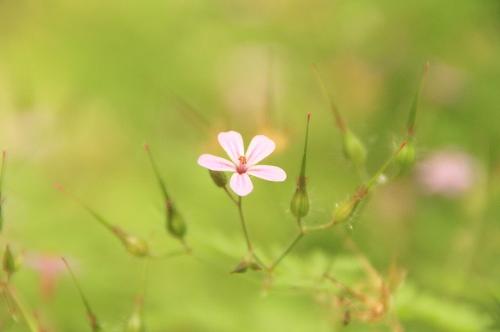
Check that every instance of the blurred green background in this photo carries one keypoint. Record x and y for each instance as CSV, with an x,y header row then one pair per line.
x,y
84,84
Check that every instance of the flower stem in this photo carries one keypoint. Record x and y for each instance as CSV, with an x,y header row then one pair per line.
x,y
231,197
292,245
244,226
25,313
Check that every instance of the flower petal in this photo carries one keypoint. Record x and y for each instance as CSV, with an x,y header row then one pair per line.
x,y
215,163
241,184
232,143
269,173
260,147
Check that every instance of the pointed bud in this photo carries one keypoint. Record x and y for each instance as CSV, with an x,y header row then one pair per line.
x,y
133,244
176,225
9,263
135,322
354,149
300,200
410,126
244,265
405,159
136,246
344,211
219,178
300,204
92,318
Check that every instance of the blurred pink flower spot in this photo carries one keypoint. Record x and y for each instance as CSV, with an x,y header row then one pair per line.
x,y
49,268
448,173
242,163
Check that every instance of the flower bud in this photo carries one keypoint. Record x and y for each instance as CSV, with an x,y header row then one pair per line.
x,y
219,178
9,263
345,210
300,200
300,203
244,265
135,323
136,246
354,150
176,225
406,157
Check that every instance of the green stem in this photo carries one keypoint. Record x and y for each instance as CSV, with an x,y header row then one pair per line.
x,y
292,245
231,197
28,317
156,170
94,323
244,225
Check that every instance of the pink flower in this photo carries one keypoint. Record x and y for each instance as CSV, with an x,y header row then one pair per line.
x,y
242,163
49,268
448,172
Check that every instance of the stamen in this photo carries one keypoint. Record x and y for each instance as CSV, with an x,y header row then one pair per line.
x,y
242,167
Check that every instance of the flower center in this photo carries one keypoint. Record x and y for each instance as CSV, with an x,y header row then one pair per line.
x,y
242,166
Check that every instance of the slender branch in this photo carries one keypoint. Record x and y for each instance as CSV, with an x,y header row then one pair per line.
x,y
93,321
239,206
28,317
338,118
292,245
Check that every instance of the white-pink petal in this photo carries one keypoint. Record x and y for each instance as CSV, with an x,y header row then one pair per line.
x,y
215,163
241,184
269,173
260,147
232,143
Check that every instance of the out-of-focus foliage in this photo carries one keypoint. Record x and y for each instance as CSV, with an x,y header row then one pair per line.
x,y
83,84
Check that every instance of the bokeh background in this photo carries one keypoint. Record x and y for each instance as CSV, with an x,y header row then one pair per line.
x,y
84,84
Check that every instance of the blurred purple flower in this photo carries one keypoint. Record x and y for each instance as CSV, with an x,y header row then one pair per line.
x,y
448,173
49,268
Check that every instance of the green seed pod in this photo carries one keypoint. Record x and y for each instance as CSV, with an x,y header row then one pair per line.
x,y
244,265
345,210
136,246
9,263
300,200
135,323
406,157
300,203
354,149
176,225
219,178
